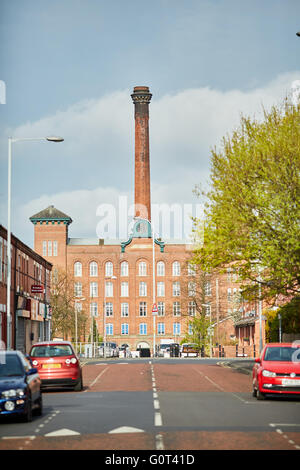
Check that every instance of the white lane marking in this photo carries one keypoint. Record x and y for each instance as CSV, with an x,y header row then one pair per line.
x,y
97,378
159,442
125,429
62,432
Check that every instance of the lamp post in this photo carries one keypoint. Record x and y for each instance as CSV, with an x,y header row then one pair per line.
x,y
12,140
113,278
210,328
153,278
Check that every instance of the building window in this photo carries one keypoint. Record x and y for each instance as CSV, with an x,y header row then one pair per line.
x,y
192,308
143,309
124,289
94,309
176,329
109,289
143,289
49,248
142,268
124,329
160,328
124,268
161,309
192,289
207,310
78,269
160,268
176,268
93,269
109,309
176,309
190,329
229,294
125,309
54,248
109,269
44,248
78,289
207,288
143,328
109,327
160,289
176,289
191,269
93,289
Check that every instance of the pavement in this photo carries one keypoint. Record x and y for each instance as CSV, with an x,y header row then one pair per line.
x,y
243,366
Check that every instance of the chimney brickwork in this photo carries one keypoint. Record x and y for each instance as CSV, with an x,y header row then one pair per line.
x,y
141,98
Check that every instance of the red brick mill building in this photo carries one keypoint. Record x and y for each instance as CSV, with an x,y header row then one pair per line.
x,y
30,310
114,279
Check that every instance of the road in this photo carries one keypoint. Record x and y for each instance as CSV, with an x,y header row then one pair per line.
x,y
160,404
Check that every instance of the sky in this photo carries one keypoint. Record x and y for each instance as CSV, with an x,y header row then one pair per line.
x,y
68,68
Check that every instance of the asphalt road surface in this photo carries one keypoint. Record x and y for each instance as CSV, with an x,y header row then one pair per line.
x,y
159,405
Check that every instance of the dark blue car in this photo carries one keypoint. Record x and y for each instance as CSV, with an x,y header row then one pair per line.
x,y
20,386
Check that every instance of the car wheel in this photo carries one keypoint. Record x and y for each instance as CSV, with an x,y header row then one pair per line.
x,y
260,395
28,412
79,386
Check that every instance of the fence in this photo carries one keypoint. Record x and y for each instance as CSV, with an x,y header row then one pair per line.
x,y
236,351
94,350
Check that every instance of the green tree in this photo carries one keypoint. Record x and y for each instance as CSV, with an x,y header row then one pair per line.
x,y
252,206
63,303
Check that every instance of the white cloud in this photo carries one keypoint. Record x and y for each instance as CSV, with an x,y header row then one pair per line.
x,y
98,152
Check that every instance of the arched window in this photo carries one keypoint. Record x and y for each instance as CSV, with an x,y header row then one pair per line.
x,y
160,268
124,268
109,269
176,268
142,268
77,269
93,269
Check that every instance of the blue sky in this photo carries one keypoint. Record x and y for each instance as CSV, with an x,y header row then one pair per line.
x,y
69,67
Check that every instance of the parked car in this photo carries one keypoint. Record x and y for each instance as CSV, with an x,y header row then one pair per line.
x,y
111,349
164,350
20,386
189,350
57,364
277,371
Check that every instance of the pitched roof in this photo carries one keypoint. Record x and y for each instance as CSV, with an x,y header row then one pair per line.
x,y
50,213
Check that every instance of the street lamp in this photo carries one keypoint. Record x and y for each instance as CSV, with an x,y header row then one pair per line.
x,y
153,278
11,140
113,278
210,329
298,33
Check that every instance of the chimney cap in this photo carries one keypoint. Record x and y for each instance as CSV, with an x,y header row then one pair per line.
x,y
141,95
143,89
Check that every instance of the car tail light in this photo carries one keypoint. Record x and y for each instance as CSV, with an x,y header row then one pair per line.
x,y
35,363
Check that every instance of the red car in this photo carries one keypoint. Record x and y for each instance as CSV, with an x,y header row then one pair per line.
x,y
277,371
57,364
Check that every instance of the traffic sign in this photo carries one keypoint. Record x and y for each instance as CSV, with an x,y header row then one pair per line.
x,y
154,309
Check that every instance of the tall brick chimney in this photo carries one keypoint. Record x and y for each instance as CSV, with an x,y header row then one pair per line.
x,y
141,98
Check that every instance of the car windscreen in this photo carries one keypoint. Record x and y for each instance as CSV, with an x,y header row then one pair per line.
x,y
10,365
51,350
284,353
